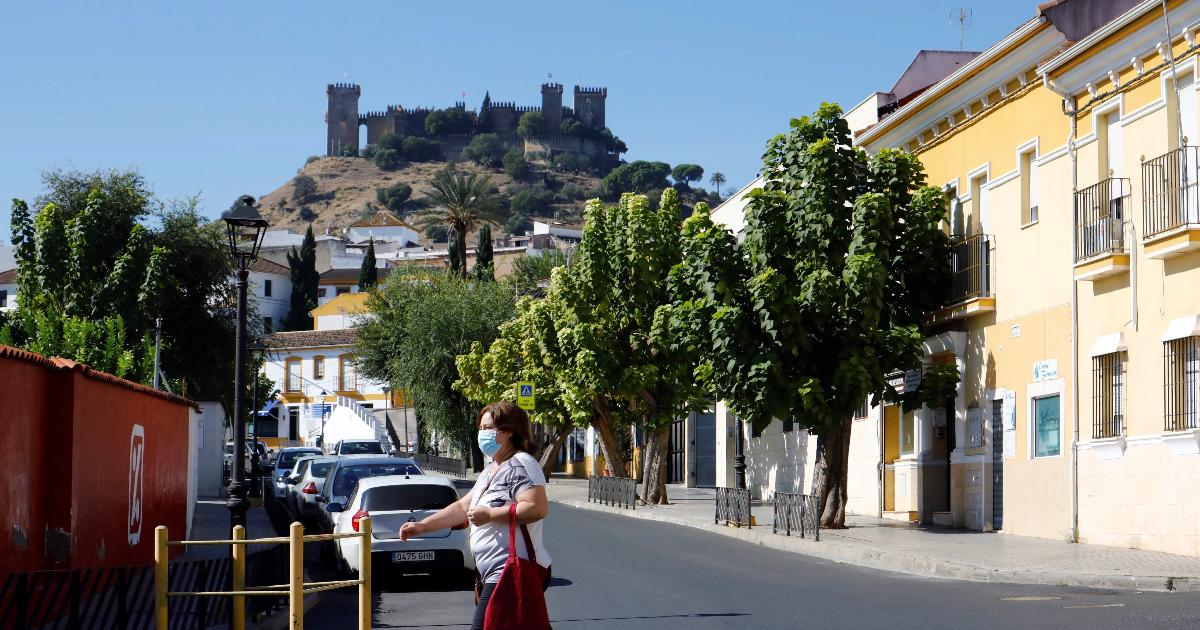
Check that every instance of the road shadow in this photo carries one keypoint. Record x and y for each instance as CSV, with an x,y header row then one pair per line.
x,y
558,581
580,620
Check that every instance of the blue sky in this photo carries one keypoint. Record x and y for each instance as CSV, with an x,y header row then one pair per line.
x,y
225,98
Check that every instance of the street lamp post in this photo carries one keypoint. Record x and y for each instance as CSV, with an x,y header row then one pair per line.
x,y
739,455
245,229
255,481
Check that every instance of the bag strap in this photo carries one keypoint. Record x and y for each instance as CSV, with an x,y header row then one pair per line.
x,y
512,535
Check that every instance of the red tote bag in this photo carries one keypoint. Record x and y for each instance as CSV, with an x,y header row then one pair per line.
x,y
518,601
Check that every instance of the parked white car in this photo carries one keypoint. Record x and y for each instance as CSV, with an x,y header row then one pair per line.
x,y
284,462
357,447
391,501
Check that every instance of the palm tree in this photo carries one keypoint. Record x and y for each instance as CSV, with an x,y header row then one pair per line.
x,y
462,203
717,179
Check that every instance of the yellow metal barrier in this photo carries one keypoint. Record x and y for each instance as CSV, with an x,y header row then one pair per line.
x,y
295,589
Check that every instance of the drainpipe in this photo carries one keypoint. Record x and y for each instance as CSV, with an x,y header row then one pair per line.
x,y
1068,107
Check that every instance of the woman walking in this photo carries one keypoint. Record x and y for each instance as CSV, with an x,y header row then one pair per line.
x,y
513,478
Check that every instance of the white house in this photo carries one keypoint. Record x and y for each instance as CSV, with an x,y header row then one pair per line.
x,y
270,289
8,290
383,226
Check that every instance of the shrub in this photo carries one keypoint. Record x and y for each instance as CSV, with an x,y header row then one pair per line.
x,y
518,224
303,188
307,214
515,164
422,149
349,151
393,197
392,141
531,124
572,162
573,192
387,159
437,232
368,151
533,200
311,159
485,150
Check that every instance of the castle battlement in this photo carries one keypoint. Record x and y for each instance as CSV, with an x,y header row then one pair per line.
x,y
502,117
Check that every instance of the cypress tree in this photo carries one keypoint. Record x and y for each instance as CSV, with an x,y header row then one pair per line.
x,y
456,262
484,267
368,275
303,266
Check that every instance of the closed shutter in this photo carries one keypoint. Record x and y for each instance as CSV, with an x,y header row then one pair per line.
x,y
1116,145
1187,108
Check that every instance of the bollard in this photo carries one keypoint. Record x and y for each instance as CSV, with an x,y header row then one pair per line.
x,y
160,577
364,575
296,577
237,617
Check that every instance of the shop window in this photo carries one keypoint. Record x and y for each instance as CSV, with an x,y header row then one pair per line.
x,y
1047,428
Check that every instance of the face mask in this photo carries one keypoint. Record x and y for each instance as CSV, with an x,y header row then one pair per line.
x,y
487,442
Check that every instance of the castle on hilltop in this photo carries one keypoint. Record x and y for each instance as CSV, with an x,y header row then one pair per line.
x,y
590,137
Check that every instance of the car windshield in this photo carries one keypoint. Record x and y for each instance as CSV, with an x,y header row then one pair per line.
x,y
288,459
361,448
349,475
320,469
408,497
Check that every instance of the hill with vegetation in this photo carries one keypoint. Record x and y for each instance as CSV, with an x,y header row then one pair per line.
x,y
331,193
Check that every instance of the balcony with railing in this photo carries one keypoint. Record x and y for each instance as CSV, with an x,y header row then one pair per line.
x,y
970,290
1100,214
1171,205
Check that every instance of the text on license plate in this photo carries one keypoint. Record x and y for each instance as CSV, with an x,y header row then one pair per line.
x,y
412,556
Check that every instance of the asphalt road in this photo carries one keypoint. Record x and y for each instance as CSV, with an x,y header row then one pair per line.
x,y
615,572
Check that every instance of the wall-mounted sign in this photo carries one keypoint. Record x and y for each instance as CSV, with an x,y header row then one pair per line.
x,y
912,380
1045,370
525,397
1010,410
974,427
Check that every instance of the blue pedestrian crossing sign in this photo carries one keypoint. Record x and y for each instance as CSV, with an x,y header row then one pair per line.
x,y
525,398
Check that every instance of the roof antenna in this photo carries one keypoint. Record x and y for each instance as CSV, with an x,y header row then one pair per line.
x,y
964,18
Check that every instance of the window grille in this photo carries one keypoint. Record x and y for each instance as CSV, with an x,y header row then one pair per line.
x,y
1181,383
862,410
1108,395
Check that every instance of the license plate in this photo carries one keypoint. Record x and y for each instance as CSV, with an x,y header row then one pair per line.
x,y
412,556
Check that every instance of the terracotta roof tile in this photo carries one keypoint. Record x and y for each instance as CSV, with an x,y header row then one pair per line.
x,y
8,277
383,218
310,339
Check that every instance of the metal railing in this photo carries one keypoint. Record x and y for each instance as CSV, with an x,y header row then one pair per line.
x,y
1100,218
618,491
796,512
370,420
733,507
970,269
1169,192
294,589
1181,384
436,463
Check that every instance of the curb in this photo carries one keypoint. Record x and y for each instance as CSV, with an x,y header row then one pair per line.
x,y
912,565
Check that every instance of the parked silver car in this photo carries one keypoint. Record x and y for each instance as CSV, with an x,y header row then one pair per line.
x,y
306,483
284,463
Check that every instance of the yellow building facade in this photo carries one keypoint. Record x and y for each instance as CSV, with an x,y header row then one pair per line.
x,y
1069,163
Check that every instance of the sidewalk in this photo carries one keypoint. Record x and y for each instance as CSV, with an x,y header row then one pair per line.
x,y
929,552
210,521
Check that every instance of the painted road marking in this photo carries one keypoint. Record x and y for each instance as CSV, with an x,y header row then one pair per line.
x,y
1097,606
1029,598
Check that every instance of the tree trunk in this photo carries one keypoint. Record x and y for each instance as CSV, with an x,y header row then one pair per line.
x,y
602,422
462,251
654,477
829,483
550,453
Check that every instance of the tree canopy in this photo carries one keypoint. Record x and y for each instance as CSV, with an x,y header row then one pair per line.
x,y
486,150
687,173
368,274
531,124
393,197
638,176
302,267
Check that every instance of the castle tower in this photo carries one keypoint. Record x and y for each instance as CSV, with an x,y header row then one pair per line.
x,y
589,105
552,105
341,117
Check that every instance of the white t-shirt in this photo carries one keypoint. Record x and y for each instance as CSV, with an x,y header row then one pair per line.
x,y
500,488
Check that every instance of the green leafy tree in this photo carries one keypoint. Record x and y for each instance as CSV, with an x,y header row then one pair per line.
x,y
717,179
485,266
518,224
524,350
437,232
462,203
421,149
842,257
485,113
391,140
531,273
531,124
638,176
515,164
368,275
304,188
486,150
419,325
393,197
303,273
618,349
535,200
571,162
687,173
453,120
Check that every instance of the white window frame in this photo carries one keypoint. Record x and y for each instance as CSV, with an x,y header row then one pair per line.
x,y
1033,392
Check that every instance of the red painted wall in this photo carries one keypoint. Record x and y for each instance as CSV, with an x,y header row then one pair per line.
x,y
96,444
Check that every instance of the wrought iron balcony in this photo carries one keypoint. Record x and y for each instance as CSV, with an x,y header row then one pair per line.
x,y
1100,213
970,268
1169,192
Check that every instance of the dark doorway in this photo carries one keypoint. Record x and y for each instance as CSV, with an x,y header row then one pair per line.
x,y
997,465
705,444
677,451
293,423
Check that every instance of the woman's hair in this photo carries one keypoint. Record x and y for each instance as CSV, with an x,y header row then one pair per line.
x,y
509,417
